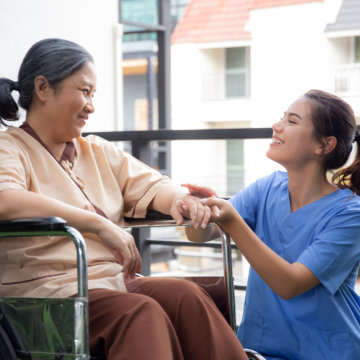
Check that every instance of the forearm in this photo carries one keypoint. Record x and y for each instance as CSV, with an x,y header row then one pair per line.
x,y
163,200
17,204
200,235
286,279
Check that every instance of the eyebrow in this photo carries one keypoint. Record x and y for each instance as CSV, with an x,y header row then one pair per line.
x,y
87,83
295,114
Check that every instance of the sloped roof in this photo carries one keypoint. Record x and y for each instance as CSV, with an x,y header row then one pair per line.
x,y
213,20
221,20
348,17
259,4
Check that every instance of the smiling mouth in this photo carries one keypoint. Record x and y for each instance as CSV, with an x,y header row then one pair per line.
x,y
276,140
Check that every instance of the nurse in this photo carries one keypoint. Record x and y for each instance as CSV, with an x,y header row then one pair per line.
x,y
300,232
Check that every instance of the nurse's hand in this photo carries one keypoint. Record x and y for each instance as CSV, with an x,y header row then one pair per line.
x,y
226,212
123,247
200,191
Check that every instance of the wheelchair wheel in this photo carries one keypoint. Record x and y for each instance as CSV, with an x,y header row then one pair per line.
x,y
6,349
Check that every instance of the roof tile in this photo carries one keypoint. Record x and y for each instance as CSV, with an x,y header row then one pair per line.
x,y
221,20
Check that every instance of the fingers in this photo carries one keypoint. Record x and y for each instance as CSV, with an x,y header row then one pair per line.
x,y
192,207
212,201
177,212
199,191
132,260
215,212
123,247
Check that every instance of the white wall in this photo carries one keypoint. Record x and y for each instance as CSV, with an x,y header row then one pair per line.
x,y
90,23
199,162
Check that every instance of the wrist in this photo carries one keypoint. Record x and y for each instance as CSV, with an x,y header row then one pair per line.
x,y
97,223
230,222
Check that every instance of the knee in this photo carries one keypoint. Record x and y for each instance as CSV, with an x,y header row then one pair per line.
x,y
187,290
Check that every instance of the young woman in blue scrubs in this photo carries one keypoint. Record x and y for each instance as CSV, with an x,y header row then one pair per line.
x,y
300,232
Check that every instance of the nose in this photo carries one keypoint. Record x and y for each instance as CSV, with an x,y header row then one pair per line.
x,y
277,126
89,107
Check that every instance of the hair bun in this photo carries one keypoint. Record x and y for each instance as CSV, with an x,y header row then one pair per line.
x,y
15,86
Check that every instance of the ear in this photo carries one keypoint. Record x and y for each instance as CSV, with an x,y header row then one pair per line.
x,y
327,145
42,88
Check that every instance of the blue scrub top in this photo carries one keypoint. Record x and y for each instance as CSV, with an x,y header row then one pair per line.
x,y
324,322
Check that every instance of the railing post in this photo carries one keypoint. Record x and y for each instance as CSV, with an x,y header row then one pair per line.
x,y
141,235
142,151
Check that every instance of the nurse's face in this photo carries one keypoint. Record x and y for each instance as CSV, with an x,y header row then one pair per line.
x,y
293,142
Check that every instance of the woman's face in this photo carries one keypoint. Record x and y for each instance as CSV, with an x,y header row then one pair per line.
x,y
72,102
294,143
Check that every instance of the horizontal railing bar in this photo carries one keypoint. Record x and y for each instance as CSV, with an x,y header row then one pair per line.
x,y
240,287
211,244
197,134
146,27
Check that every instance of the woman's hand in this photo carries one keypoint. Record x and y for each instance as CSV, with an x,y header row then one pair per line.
x,y
17,204
204,192
192,208
226,212
123,247
172,200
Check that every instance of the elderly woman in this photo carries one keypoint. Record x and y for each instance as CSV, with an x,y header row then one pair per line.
x,y
48,169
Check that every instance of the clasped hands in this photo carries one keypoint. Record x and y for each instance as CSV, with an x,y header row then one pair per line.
x,y
193,206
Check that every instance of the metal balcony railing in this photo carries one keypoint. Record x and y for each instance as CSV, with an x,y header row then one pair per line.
x,y
346,80
140,145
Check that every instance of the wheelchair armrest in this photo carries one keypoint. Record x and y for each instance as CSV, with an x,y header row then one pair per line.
x,y
153,218
151,215
35,224
51,226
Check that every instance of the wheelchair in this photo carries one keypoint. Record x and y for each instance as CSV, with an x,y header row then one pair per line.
x,y
57,328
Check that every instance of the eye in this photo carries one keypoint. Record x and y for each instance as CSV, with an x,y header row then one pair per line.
x,y
291,121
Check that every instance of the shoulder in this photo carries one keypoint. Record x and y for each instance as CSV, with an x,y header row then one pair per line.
x,y
278,180
344,200
270,183
93,140
94,143
14,136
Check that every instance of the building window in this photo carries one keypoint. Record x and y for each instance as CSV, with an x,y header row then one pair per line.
x,y
226,73
357,49
236,73
139,11
234,166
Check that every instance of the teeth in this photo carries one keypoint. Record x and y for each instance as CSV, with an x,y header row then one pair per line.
x,y
276,141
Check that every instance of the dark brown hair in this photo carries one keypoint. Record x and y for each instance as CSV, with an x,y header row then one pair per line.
x,y
332,116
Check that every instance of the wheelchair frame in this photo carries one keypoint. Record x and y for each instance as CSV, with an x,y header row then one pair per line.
x,y
30,328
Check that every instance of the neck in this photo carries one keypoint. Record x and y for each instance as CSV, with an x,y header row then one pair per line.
x,y
307,186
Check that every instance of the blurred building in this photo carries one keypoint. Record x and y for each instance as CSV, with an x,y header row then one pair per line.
x,y
240,63
234,63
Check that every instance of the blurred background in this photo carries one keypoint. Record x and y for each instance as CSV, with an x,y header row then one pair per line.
x,y
198,64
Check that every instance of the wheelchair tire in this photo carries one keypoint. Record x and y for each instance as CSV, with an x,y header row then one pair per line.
x,y
6,349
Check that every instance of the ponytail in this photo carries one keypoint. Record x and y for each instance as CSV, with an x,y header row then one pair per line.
x,y
349,177
9,110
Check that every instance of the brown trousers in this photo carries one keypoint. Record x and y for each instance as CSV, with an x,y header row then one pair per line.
x,y
159,319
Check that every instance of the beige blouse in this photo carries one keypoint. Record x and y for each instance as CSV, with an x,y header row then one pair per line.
x,y
100,175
